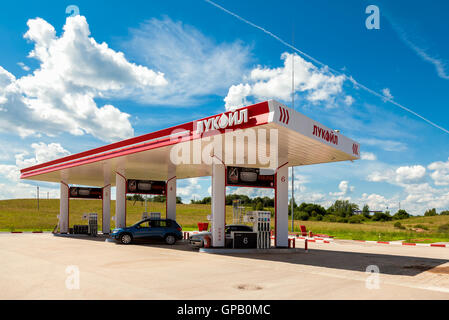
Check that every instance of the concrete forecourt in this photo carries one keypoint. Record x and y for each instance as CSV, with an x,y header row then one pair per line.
x,y
42,266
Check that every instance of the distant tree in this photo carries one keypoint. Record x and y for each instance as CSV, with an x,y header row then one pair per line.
x,y
343,208
178,200
365,211
401,214
382,216
312,209
158,199
430,213
444,213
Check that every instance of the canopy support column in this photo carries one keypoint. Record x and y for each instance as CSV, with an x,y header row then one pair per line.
x,y
218,205
120,199
171,198
281,204
106,220
64,208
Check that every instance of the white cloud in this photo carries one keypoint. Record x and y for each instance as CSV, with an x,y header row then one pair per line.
x,y
349,100
440,174
194,64
409,174
387,94
42,153
16,188
23,66
344,188
401,176
385,144
265,83
376,202
369,156
74,70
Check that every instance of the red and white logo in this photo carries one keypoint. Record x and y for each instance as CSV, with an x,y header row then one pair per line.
x,y
285,116
355,149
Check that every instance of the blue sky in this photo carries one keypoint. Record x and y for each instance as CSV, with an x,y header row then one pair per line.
x,y
181,59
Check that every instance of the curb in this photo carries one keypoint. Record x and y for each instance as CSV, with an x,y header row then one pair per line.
x,y
404,243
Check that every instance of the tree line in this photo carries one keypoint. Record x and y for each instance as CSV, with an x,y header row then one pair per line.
x,y
340,211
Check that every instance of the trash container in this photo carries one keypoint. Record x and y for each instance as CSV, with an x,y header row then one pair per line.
x,y
203,226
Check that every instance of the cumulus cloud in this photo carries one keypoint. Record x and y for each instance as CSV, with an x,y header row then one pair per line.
x,y
376,202
344,188
418,195
41,152
368,156
194,64
440,174
60,95
265,83
402,175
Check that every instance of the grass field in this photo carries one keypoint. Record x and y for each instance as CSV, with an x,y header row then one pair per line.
x,y
22,215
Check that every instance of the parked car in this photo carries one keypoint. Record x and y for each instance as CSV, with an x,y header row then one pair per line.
x,y
197,240
163,229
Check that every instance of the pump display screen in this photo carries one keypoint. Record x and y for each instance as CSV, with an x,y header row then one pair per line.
x,y
86,193
146,187
249,177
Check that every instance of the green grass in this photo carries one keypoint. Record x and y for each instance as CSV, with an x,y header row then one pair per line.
x,y
22,215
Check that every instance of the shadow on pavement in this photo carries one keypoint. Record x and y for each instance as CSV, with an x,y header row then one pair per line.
x,y
351,261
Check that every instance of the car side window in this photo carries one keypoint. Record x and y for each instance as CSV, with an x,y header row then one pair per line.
x,y
144,224
162,223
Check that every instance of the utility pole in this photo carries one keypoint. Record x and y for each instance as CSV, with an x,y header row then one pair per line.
x,y
293,107
37,198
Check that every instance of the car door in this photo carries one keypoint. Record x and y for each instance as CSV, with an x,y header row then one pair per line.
x,y
142,231
157,229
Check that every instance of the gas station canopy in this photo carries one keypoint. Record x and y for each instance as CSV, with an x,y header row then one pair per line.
x,y
301,141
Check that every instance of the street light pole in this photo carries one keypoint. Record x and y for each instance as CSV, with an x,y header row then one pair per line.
x,y
37,198
293,107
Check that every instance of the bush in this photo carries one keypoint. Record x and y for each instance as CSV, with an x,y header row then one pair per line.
x,y
401,214
355,219
420,226
301,215
444,213
444,228
380,216
316,218
398,225
342,219
330,218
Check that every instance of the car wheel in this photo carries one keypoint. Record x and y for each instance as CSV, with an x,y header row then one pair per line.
x,y
170,239
126,238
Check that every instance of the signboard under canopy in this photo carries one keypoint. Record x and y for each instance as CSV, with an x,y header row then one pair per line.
x,y
249,177
146,187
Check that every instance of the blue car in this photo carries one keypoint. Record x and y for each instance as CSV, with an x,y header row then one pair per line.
x,y
162,229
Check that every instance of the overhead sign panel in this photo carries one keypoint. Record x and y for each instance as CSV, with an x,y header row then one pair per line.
x,y
86,193
249,177
146,187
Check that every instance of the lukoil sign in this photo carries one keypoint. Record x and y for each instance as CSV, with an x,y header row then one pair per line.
x,y
226,120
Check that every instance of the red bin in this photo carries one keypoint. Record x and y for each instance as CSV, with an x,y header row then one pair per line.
x,y
203,226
